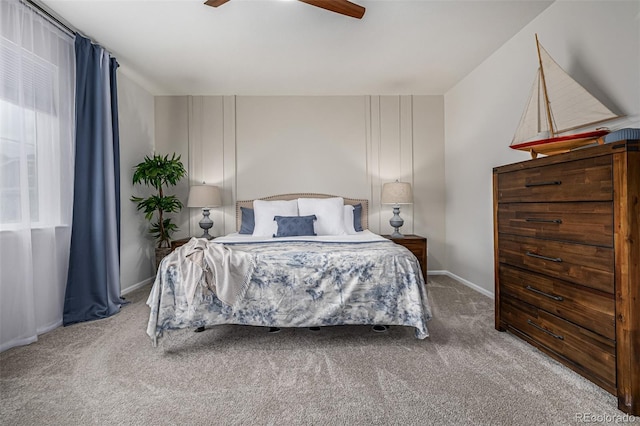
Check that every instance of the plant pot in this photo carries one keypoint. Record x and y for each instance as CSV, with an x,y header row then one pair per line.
x,y
161,252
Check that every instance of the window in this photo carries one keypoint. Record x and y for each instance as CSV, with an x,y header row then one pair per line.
x,y
37,80
35,138
18,151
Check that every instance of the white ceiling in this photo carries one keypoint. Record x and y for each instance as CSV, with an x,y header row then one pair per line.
x,y
275,47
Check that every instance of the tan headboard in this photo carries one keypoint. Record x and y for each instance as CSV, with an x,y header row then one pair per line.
x,y
352,201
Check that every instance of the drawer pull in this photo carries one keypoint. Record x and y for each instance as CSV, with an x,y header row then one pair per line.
x,y
549,183
551,259
550,296
533,219
557,336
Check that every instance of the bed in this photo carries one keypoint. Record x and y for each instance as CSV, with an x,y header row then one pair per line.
x,y
291,278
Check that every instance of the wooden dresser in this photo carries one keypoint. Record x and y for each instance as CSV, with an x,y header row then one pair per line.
x,y
567,261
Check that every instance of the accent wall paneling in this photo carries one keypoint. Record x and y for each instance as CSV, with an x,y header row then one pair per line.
x,y
253,146
212,156
392,138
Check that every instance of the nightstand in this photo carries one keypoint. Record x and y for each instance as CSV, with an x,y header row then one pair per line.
x,y
177,243
416,245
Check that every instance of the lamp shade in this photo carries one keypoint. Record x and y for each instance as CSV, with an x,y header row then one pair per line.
x,y
396,193
204,196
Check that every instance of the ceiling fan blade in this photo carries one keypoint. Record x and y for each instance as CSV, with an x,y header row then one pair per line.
x,y
215,3
343,7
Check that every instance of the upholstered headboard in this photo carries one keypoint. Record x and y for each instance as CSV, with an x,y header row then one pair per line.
x,y
352,201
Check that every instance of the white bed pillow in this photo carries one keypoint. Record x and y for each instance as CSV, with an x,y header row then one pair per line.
x,y
329,211
348,220
265,211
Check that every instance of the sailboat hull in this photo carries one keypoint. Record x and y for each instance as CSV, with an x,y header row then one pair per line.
x,y
560,144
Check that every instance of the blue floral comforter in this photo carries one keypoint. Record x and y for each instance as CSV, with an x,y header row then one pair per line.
x,y
303,284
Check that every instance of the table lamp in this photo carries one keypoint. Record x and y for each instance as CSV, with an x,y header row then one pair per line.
x,y
205,197
396,193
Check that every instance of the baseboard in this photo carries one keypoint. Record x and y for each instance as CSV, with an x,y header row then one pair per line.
x,y
136,286
465,282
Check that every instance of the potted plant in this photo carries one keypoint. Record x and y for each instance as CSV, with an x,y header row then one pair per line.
x,y
159,173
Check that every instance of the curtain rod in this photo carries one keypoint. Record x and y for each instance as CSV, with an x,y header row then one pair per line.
x,y
39,8
49,15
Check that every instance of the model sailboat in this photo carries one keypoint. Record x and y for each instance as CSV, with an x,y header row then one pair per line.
x,y
558,105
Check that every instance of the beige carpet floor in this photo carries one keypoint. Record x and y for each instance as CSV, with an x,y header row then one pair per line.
x,y
107,373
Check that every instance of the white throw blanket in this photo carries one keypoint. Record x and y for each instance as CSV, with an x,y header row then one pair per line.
x,y
225,271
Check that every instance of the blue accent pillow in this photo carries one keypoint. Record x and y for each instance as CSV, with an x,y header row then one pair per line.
x,y
622,134
357,217
248,221
295,226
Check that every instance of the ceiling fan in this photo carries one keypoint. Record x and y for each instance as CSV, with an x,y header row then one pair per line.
x,y
343,7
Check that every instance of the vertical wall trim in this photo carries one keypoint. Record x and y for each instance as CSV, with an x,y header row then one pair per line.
x,y
235,150
400,135
413,165
230,169
189,162
191,153
196,140
367,142
406,156
373,162
224,163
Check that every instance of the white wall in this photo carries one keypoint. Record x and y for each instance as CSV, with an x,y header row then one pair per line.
x,y
136,119
598,43
301,144
344,145
428,177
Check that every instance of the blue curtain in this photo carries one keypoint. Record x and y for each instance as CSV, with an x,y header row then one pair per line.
x,y
93,283
113,67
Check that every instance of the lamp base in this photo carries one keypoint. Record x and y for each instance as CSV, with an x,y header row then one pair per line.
x,y
206,223
396,222
397,234
206,235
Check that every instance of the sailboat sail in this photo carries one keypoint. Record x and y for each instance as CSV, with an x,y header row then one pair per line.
x,y
569,105
533,124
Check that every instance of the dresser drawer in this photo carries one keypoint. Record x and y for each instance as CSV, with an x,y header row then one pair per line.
x,y
590,266
580,180
591,309
587,350
586,223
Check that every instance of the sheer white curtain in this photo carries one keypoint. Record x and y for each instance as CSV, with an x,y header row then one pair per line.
x,y
37,81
